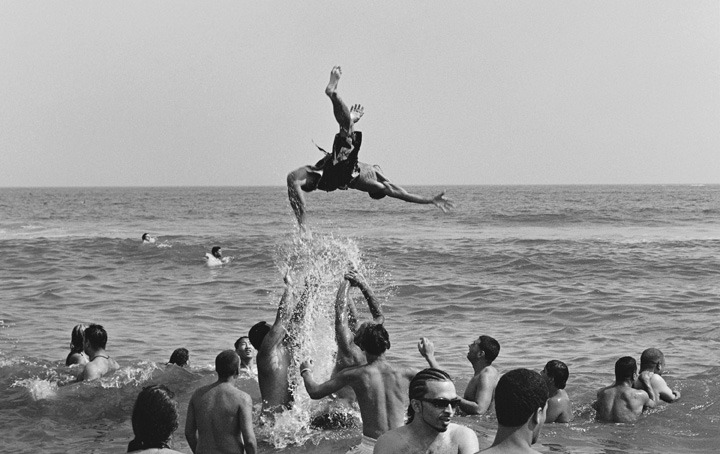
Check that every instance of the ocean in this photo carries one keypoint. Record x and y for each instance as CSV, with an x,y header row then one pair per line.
x,y
583,274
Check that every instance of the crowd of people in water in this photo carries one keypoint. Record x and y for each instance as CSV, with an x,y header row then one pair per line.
x,y
403,410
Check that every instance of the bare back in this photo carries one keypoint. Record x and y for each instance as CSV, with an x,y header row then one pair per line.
x,y
381,391
620,403
216,411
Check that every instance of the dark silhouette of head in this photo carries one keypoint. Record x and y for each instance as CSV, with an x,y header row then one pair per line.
x,y
490,347
227,364
257,334
375,340
558,371
77,338
154,418
625,369
180,357
519,393
215,251
96,336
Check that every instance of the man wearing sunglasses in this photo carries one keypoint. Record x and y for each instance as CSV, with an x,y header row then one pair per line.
x,y
433,401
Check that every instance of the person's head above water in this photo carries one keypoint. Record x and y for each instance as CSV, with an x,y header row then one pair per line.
x,y
146,238
77,338
557,372
216,252
519,394
227,364
95,337
625,369
257,334
180,357
375,340
652,359
154,418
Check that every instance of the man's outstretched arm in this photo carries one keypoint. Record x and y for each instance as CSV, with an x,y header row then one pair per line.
x,y
358,280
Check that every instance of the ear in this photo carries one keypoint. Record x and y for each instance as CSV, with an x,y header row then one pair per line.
x,y
538,416
416,405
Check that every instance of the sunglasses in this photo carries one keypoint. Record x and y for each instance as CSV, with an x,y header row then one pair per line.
x,y
442,404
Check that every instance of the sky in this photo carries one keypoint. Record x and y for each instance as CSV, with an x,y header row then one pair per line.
x,y
231,93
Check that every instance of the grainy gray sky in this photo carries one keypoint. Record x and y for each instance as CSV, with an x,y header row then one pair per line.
x,y
156,93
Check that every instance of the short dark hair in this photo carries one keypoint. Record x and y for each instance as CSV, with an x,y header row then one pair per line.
x,y
180,357
237,342
625,368
490,347
257,334
518,394
154,418
558,371
650,357
96,336
227,363
418,386
215,249
145,235
375,340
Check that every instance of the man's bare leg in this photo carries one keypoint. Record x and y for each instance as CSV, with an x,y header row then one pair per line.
x,y
340,109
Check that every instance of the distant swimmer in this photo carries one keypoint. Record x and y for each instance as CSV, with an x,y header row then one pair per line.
x,y
652,364
100,362
180,357
215,257
146,238
341,168
620,402
77,341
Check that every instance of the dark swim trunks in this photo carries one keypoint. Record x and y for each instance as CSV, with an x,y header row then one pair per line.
x,y
341,167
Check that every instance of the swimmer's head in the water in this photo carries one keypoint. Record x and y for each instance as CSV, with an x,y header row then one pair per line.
x,y
146,238
257,333
216,252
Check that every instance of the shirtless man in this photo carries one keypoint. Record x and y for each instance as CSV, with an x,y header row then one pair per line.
x,y
652,364
479,392
341,168
94,346
520,403
246,352
275,346
219,417
620,402
559,407
347,331
380,387
433,401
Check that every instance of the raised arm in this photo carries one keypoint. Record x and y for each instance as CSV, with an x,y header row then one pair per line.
x,y
246,427
358,280
343,334
277,332
427,350
319,390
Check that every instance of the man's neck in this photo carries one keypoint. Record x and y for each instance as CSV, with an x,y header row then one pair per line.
x,y
246,363
515,439
92,354
624,383
479,365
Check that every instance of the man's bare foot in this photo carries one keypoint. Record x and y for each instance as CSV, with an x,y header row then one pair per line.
x,y
356,112
335,74
443,203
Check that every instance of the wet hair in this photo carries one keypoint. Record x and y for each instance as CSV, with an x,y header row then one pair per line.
x,y
257,334
96,336
227,364
154,418
237,342
650,358
558,371
214,250
180,357
490,347
77,338
375,340
418,386
625,368
519,393
144,237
